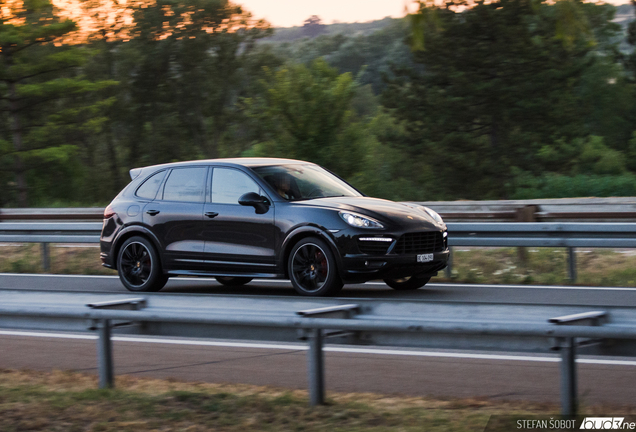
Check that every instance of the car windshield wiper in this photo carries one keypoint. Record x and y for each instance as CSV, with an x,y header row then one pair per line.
x,y
316,197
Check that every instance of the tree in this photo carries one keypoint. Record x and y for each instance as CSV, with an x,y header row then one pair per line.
x,y
313,26
41,91
184,69
497,81
305,113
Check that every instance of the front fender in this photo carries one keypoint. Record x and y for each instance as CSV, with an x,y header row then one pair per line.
x,y
307,231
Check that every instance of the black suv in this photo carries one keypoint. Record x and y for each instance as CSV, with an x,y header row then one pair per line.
x,y
237,219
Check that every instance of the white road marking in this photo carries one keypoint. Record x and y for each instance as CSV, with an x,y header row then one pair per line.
x,y
559,287
279,281
335,349
58,275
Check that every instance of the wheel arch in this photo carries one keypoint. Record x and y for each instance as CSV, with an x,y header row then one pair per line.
x,y
131,231
304,232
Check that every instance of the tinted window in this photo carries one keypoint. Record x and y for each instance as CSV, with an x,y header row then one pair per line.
x,y
228,185
150,187
306,181
185,184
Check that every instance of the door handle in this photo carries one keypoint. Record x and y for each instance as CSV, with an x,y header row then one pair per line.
x,y
153,212
211,214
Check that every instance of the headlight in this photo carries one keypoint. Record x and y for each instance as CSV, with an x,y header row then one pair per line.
x,y
437,218
359,221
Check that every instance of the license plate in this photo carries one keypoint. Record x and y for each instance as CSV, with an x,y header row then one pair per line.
x,y
424,258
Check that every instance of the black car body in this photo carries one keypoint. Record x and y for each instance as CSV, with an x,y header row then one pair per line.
x,y
228,218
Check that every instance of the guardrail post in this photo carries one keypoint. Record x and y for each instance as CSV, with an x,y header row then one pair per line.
x,y
568,377
571,264
105,355
567,346
315,356
448,271
316,368
46,257
525,214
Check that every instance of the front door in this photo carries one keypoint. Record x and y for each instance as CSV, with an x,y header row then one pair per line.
x,y
238,239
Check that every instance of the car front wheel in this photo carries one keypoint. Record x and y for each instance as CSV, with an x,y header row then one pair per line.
x,y
312,268
407,283
139,267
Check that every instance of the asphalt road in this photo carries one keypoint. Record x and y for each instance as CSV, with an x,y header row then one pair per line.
x,y
421,373
524,294
533,378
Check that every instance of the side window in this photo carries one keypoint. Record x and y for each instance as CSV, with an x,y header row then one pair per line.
x,y
185,184
149,188
228,185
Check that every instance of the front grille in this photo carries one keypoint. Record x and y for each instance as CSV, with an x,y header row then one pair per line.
x,y
422,242
373,247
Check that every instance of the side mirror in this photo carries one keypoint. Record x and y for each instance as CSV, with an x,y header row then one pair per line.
x,y
260,203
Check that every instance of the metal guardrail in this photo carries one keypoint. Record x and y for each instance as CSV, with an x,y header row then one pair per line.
x,y
569,235
467,326
541,210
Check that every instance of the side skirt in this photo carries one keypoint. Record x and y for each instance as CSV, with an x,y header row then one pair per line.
x,y
227,274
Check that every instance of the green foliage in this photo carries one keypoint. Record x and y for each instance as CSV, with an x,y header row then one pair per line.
x,y
582,156
305,113
43,93
498,81
368,56
513,98
580,185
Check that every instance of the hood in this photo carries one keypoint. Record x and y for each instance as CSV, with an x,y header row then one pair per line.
x,y
383,210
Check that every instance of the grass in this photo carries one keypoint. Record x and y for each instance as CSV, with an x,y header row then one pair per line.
x,y
68,401
27,258
546,266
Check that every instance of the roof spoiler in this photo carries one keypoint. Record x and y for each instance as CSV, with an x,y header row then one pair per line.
x,y
134,173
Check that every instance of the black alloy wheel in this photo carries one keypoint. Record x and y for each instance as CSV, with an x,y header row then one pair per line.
x,y
312,268
407,283
232,281
139,267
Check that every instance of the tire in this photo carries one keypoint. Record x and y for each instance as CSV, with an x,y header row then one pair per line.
x,y
312,268
407,283
232,281
139,266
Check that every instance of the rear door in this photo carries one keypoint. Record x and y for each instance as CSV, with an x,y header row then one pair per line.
x,y
176,218
237,238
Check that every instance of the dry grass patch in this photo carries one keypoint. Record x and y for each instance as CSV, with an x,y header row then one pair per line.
x,y
545,266
27,258
67,401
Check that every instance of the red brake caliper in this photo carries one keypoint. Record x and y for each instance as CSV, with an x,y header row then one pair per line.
x,y
323,263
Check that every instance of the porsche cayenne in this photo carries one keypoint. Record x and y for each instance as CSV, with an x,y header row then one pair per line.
x,y
245,218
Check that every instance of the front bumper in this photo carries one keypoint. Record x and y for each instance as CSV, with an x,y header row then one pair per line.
x,y
362,267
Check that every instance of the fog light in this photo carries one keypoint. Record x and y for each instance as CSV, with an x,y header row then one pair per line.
x,y
366,263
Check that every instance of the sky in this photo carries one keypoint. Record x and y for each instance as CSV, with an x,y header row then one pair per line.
x,y
289,13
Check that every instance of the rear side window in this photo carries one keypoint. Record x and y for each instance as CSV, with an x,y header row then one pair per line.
x,y
185,184
228,185
149,188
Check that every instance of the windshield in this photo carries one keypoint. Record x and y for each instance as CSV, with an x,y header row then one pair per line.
x,y
299,182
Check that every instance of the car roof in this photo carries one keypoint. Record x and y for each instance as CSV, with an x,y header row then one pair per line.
x,y
249,162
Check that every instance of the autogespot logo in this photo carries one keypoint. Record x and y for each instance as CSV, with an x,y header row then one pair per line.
x,y
607,423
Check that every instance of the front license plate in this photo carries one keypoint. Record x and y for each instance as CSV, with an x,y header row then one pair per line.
x,y
424,258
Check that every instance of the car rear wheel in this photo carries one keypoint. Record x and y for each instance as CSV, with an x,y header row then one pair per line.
x,y
312,268
139,266
407,283
232,281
